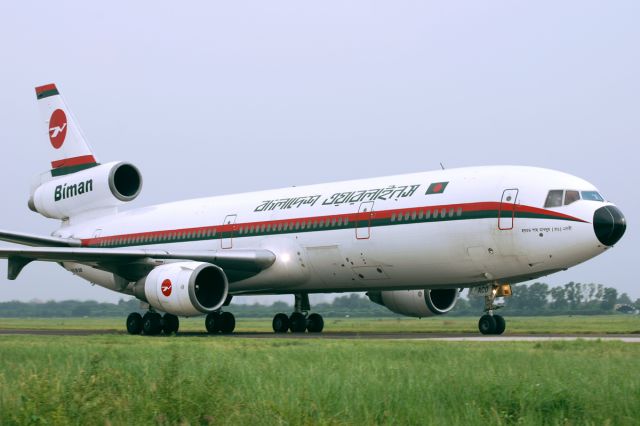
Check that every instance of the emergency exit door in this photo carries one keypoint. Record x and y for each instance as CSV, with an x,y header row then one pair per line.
x,y
228,228
363,224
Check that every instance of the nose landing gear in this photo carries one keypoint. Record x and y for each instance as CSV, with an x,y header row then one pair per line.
x,y
491,323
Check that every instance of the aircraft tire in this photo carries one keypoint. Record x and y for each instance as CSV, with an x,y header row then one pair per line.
x,y
212,322
227,322
315,323
152,323
280,323
487,324
297,322
134,323
170,324
501,324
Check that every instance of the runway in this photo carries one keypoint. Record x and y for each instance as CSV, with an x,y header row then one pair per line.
x,y
458,337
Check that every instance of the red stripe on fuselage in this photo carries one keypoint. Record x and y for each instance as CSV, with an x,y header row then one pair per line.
x,y
352,217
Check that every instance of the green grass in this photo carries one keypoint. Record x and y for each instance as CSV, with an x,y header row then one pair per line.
x,y
120,379
604,324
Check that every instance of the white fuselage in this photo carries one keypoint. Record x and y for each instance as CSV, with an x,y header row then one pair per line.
x,y
480,225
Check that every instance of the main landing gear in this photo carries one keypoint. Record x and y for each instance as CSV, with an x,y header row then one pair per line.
x,y
152,323
491,323
300,320
220,322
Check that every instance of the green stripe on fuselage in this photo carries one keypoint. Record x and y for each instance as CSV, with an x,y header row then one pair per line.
x,y
192,236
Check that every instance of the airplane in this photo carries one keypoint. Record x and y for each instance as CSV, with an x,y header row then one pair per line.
x,y
412,242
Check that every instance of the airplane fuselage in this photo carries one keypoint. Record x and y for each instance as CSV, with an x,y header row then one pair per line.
x,y
441,229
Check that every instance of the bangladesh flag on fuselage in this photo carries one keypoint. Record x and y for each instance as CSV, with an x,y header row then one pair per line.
x,y
437,188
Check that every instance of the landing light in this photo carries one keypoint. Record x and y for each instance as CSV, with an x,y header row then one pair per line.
x,y
286,258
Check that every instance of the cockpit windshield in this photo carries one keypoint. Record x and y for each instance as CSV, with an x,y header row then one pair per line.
x,y
560,197
592,196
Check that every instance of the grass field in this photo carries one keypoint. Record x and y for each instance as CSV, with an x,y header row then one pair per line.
x,y
611,324
121,379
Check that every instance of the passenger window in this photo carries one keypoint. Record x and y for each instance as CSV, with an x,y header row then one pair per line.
x,y
459,211
571,197
413,215
393,217
554,198
421,215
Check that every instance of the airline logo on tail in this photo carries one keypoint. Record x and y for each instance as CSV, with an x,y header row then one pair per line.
x,y
71,152
57,128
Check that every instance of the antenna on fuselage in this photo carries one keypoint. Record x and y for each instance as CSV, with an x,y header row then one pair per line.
x,y
441,166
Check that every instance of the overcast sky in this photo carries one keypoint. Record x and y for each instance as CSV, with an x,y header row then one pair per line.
x,y
211,98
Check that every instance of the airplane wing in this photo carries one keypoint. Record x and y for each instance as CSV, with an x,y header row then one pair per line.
x,y
37,240
134,263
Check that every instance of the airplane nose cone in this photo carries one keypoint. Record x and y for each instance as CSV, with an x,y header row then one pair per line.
x,y
609,224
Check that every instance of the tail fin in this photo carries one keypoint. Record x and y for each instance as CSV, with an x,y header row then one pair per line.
x,y
69,151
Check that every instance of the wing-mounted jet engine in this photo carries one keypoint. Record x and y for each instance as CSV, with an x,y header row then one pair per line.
x,y
416,303
181,288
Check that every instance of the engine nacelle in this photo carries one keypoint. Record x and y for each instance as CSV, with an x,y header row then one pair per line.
x,y
105,186
416,303
184,288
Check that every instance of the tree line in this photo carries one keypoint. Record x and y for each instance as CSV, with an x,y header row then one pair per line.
x,y
534,299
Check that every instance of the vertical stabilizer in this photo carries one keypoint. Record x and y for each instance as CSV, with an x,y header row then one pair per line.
x,y
69,151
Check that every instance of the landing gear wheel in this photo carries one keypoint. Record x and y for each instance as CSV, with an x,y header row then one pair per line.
x,y
297,322
315,323
170,324
501,324
212,322
227,322
134,323
280,323
487,324
152,323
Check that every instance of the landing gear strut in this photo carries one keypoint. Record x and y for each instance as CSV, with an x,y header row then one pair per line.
x,y
152,323
300,320
491,323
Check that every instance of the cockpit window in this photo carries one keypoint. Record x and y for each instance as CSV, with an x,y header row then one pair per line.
x,y
571,197
592,196
554,198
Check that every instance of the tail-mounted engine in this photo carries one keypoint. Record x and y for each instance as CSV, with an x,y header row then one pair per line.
x,y
184,288
101,187
416,303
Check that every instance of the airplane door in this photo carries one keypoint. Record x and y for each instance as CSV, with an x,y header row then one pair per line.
x,y
363,224
507,210
226,236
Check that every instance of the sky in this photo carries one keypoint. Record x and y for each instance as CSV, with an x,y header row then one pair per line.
x,y
210,98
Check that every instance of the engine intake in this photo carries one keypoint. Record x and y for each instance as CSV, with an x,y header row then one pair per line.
x,y
184,288
416,303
